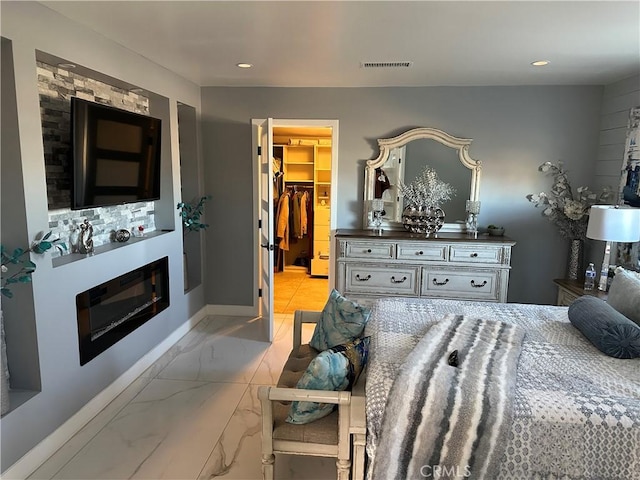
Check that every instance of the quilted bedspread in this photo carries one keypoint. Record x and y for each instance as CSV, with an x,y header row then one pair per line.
x,y
576,411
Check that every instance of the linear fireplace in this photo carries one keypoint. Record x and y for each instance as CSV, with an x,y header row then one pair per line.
x,y
114,309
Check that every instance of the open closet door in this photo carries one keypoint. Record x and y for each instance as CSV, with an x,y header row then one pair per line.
x,y
265,133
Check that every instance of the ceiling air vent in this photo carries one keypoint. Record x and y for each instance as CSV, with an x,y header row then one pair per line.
x,y
386,64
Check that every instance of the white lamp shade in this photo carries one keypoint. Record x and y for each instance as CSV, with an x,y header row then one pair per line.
x,y
614,224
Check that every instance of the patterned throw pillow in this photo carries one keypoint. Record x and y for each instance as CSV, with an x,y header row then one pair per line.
x,y
624,294
342,320
335,369
607,329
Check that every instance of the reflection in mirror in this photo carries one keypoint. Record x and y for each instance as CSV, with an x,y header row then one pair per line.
x,y
444,161
404,157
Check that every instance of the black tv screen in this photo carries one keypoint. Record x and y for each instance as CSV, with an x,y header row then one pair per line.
x,y
116,155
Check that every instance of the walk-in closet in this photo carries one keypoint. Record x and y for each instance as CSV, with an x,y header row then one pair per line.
x,y
302,198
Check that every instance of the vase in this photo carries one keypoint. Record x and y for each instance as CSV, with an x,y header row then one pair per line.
x,y
576,253
422,219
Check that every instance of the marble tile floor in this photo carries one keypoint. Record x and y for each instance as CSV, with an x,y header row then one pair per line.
x,y
193,415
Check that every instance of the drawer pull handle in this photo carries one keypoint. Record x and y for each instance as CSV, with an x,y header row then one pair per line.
x,y
368,250
436,282
362,279
478,285
474,255
393,280
420,253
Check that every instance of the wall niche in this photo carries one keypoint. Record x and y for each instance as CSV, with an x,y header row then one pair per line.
x,y
56,86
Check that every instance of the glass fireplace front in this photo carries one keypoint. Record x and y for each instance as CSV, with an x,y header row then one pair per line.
x,y
112,310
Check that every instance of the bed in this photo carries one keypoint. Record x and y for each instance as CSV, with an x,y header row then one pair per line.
x,y
571,412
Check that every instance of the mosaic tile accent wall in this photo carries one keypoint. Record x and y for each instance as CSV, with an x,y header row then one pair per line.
x,y
56,86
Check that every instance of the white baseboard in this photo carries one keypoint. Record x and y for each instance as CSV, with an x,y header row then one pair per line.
x,y
233,310
47,447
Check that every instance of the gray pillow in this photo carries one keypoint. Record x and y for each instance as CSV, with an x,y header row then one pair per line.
x,y
607,329
624,294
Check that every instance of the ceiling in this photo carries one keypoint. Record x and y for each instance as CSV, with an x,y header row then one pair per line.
x,y
323,43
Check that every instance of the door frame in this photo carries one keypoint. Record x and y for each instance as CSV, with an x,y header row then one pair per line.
x,y
280,122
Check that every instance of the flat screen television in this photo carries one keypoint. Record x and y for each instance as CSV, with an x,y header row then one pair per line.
x,y
116,155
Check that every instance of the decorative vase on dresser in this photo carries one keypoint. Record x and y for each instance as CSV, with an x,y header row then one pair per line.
x,y
576,255
451,266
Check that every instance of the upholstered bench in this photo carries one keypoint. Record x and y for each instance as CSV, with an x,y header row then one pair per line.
x,y
330,436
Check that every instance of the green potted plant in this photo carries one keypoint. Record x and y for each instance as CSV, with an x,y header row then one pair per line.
x,y
495,230
191,214
16,265
17,268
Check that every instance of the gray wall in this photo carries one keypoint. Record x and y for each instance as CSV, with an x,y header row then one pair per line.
x,y
515,129
47,317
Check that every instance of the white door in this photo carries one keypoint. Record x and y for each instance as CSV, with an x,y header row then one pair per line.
x,y
265,134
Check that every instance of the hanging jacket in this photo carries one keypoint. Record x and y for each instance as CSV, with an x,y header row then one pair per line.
x,y
282,221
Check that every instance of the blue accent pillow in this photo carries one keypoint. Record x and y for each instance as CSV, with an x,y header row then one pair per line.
x,y
341,321
607,329
335,369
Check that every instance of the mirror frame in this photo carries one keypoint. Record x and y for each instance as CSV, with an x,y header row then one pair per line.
x,y
461,145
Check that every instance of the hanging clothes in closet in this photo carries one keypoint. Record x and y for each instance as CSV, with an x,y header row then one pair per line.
x,y
299,218
282,220
292,223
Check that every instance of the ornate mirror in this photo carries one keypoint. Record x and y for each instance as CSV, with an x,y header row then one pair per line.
x,y
404,157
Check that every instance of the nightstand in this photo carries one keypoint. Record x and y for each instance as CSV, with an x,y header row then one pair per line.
x,y
569,290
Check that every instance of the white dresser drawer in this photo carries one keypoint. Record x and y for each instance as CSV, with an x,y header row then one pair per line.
x,y
320,266
421,252
369,250
566,298
321,249
382,279
475,254
322,216
480,285
322,232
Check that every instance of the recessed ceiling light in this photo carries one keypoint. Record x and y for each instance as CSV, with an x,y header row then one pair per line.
x,y
540,63
244,65
67,65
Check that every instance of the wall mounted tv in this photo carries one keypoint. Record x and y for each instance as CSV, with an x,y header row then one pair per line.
x,y
116,155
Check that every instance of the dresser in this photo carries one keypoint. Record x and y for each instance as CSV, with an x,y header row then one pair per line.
x,y
570,290
453,266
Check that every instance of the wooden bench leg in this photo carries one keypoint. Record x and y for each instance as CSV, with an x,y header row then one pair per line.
x,y
359,441
344,469
267,466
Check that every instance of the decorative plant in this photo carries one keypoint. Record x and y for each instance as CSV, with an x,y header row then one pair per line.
x,y
191,214
17,267
426,190
567,209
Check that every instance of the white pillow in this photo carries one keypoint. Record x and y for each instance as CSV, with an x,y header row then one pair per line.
x,y
624,294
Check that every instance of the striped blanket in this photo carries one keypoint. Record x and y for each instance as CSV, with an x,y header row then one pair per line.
x,y
575,411
449,409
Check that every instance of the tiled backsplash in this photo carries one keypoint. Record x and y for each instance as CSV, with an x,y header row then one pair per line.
x,y
56,87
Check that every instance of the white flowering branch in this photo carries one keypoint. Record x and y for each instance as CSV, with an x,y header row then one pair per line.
x,y
568,211
426,190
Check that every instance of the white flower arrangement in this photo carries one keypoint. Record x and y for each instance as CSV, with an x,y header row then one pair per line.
x,y
426,190
569,211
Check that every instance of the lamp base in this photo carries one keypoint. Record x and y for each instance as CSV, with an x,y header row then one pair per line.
x,y
604,271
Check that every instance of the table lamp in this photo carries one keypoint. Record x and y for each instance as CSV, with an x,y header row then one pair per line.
x,y
612,223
